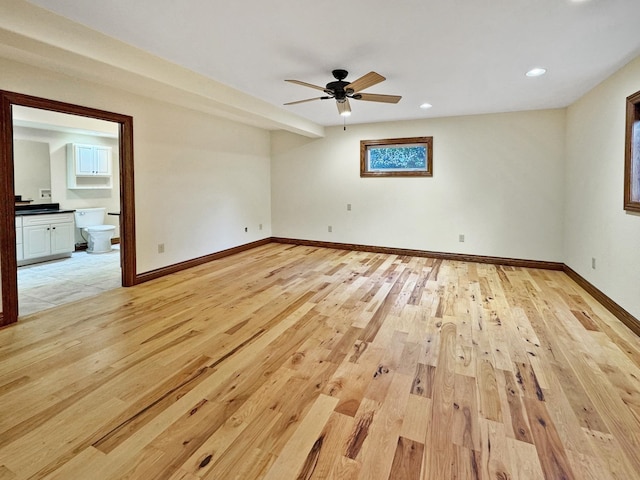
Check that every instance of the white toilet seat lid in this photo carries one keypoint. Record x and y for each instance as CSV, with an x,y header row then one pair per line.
x,y
100,228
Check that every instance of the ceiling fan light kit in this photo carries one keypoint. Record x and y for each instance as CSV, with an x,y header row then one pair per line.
x,y
536,72
344,108
341,91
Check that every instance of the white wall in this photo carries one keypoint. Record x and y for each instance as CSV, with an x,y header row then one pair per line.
x,y
596,226
497,179
199,180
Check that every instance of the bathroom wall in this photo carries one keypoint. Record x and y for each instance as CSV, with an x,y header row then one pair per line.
x,y
72,199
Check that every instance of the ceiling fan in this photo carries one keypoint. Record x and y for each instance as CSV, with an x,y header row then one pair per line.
x,y
342,91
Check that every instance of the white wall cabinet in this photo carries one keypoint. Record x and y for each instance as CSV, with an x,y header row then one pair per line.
x,y
88,166
47,235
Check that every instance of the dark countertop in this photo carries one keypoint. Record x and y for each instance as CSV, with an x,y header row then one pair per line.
x,y
40,209
22,213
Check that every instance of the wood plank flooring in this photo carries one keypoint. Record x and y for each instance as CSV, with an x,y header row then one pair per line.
x,y
291,362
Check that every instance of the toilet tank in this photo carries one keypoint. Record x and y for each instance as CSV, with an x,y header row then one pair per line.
x,y
89,217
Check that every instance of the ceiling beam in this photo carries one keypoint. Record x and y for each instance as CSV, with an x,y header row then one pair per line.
x,y
31,35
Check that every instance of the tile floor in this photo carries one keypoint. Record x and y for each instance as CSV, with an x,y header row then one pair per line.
x,y
46,285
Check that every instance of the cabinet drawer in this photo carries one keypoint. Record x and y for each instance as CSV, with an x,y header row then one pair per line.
x,y
47,219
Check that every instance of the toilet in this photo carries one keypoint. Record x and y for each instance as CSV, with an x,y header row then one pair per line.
x,y
91,221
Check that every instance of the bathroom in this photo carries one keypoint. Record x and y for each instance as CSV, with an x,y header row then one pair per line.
x,y
45,145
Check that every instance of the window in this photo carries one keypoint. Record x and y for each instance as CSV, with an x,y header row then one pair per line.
x,y
397,157
632,155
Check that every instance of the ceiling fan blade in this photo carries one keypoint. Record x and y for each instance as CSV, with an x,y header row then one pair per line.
x,y
344,108
305,84
365,81
307,100
374,97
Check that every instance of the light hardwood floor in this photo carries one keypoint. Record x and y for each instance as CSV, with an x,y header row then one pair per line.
x,y
288,362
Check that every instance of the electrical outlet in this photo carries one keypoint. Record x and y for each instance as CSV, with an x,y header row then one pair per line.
x,y
330,229
348,207
161,248
246,229
593,262
461,237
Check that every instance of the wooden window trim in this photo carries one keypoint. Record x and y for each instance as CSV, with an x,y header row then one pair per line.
x,y
365,144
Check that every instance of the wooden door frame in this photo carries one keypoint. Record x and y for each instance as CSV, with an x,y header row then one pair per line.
x,y
8,261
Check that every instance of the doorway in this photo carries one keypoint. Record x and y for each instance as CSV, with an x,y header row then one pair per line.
x,y
8,260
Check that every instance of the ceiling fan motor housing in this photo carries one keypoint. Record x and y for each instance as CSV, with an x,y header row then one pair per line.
x,y
337,88
339,74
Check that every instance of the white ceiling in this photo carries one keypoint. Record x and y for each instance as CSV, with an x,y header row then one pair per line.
x,y
462,56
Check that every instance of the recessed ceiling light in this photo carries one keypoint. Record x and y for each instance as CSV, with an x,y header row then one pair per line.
x,y
536,72
426,105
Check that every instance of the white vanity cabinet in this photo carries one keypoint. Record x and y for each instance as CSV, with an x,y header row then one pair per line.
x,y
88,166
19,251
47,235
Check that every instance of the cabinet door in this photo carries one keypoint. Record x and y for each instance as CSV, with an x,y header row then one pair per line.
x,y
19,251
85,162
103,160
36,241
62,237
